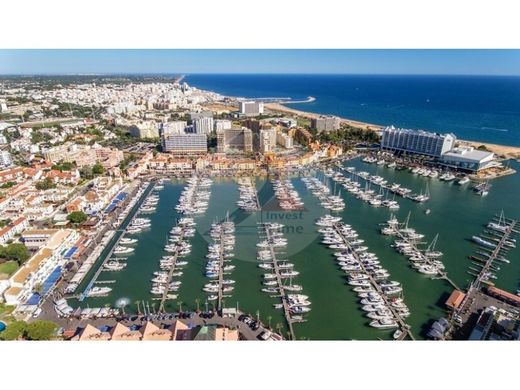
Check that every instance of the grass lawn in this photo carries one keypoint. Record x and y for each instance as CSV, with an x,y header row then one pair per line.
x,y
8,268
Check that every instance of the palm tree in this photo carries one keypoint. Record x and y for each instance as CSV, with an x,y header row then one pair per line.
x,y
180,303
197,302
153,307
138,307
269,318
278,327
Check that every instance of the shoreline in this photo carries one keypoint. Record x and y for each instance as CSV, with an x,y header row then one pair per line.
x,y
504,151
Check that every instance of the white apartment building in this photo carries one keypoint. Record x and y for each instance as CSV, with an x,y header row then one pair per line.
x,y
284,140
10,231
252,108
185,143
222,124
203,125
267,140
145,129
35,271
175,127
5,159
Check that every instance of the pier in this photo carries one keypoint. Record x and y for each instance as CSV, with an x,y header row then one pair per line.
x,y
384,186
166,284
404,327
425,259
120,233
481,277
276,269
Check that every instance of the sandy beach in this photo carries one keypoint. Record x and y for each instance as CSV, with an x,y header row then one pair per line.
x,y
503,151
277,107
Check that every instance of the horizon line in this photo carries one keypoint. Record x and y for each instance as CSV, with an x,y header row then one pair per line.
x,y
186,74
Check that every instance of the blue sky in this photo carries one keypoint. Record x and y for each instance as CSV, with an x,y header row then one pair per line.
x,y
68,61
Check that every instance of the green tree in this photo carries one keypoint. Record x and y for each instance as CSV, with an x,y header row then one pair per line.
x,y
15,251
98,169
77,217
14,331
45,184
40,330
86,172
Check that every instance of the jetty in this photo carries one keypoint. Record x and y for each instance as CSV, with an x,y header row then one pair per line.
x,y
119,234
404,327
268,230
496,253
395,190
171,271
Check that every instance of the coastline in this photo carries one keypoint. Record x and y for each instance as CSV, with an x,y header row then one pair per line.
x,y
503,151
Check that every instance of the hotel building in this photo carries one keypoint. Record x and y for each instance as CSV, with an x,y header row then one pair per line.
x,y
325,123
185,143
417,141
251,108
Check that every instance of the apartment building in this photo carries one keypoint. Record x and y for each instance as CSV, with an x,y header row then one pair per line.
x,y
235,140
35,272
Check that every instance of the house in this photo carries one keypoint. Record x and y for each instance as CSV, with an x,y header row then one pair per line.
x,y
152,332
123,333
91,333
11,230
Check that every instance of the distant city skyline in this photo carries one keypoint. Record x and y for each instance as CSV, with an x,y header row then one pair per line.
x,y
231,61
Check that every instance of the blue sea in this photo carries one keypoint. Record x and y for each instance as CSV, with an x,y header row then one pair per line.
x,y
480,108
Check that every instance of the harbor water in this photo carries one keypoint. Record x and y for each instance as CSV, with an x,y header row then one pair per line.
x,y
456,215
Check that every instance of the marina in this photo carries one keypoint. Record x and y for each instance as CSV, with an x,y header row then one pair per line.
x,y
306,252
112,245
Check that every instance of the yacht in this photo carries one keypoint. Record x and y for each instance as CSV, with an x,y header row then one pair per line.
x,y
384,323
99,291
114,266
122,250
464,180
127,241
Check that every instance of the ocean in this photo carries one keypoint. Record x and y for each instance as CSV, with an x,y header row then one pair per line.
x,y
478,108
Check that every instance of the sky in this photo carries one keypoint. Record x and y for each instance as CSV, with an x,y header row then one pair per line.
x,y
184,61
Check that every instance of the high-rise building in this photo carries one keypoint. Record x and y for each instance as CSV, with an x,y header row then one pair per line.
x,y
188,144
203,125
252,108
174,127
417,141
284,140
267,140
202,114
235,140
222,124
325,123
145,129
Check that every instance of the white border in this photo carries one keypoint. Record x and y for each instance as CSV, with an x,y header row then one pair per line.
x,y
259,24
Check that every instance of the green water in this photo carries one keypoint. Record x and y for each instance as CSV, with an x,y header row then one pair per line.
x,y
456,214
